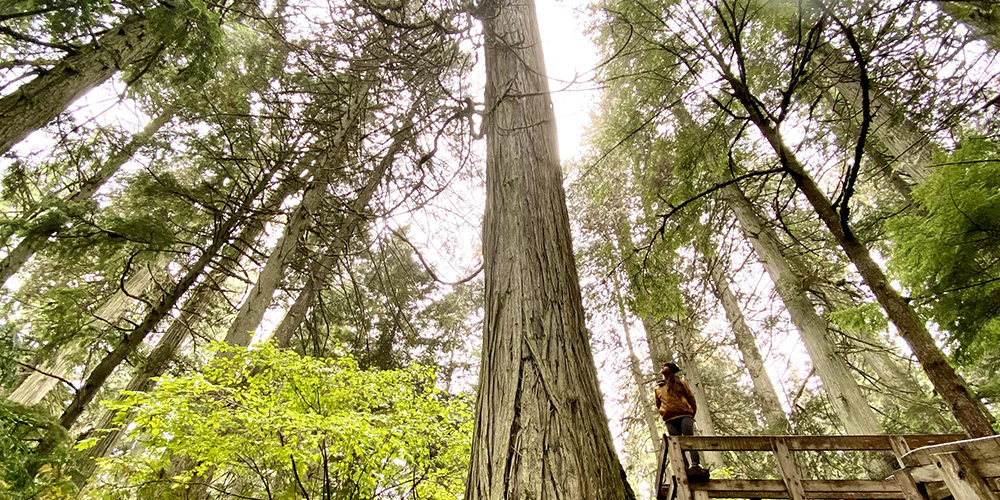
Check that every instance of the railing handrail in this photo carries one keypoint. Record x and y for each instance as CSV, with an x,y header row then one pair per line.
x,y
875,442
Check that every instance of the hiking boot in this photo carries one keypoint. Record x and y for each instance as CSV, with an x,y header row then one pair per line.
x,y
697,471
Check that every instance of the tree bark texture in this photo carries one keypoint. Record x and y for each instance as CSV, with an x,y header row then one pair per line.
x,y
39,383
775,419
947,382
34,104
34,241
540,427
846,398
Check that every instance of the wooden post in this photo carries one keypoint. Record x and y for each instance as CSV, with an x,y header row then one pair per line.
x,y
899,447
789,474
962,477
659,476
678,468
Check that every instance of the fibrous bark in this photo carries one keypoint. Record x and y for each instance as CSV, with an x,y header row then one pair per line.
x,y
540,426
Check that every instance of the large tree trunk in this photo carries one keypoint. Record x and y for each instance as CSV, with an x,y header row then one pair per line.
x,y
35,240
132,340
775,420
848,402
540,427
947,382
39,383
36,103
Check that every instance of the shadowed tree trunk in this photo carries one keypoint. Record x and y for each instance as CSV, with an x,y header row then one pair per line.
x,y
649,413
202,297
37,102
692,373
540,431
39,383
132,340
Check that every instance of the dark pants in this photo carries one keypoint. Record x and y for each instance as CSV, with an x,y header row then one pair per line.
x,y
684,426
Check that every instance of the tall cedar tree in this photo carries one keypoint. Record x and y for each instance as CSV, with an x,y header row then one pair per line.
x,y
540,427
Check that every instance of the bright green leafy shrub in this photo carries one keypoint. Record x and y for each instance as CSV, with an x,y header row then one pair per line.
x,y
268,423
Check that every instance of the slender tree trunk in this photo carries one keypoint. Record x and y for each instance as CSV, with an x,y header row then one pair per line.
x,y
642,386
354,218
134,338
775,419
39,383
36,240
541,431
37,102
202,297
259,299
947,382
846,398
692,373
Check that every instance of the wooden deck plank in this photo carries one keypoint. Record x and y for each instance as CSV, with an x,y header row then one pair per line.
x,y
677,468
812,488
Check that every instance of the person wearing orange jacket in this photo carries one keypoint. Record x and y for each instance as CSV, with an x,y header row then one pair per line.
x,y
677,407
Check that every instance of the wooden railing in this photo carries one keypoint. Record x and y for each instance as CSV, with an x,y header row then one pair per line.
x,y
923,475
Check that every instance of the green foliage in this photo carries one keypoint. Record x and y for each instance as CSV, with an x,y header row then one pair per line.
x,y
34,455
287,424
948,256
868,318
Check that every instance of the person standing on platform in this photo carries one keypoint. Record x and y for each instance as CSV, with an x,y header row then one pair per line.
x,y
677,407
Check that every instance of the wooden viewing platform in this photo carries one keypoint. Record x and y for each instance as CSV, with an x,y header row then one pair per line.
x,y
931,467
